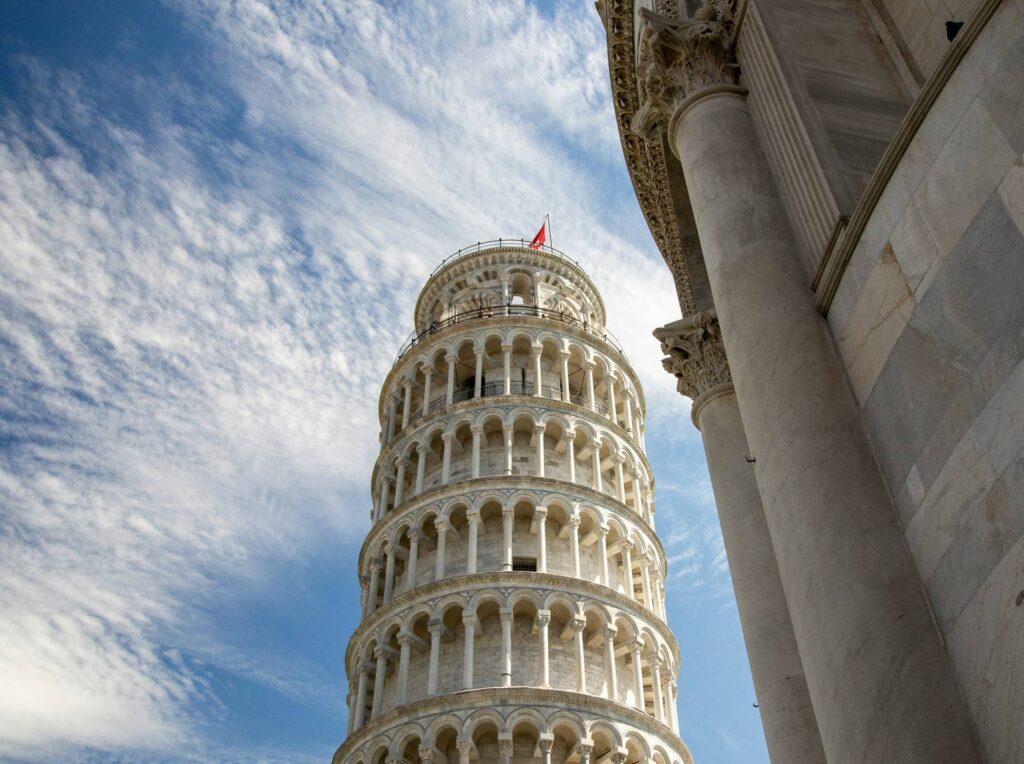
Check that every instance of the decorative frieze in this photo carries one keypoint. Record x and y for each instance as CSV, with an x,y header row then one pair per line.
x,y
695,354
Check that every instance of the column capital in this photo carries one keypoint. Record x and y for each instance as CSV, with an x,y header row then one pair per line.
x,y
540,514
505,614
427,370
473,515
447,436
377,565
441,525
570,435
680,58
536,350
602,531
695,354
610,632
476,429
508,511
506,346
539,427
451,357
478,351
578,624
543,617
414,535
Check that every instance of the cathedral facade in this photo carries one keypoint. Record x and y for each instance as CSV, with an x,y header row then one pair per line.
x,y
838,191
513,605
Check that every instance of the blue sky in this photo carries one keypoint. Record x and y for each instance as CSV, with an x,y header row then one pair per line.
x,y
214,220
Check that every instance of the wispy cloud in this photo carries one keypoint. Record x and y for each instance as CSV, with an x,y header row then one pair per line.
x,y
199,303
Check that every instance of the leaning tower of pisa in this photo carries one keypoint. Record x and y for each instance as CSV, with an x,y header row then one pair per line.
x,y
512,581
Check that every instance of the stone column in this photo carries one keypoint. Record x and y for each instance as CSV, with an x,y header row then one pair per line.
x,y
504,749
543,620
389,572
866,636
611,400
469,622
371,598
638,677
477,431
360,710
439,553
435,627
507,430
506,647
627,569
400,480
504,293
609,657
466,749
428,375
506,351
546,744
589,376
381,654
540,515
537,377
404,641
565,376
421,467
446,459
696,357
570,453
659,705
578,624
391,421
414,551
385,491
450,390
645,580
538,432
574,544
407,408
602,552
637,505
597,481
507,518
628,404
620,478
473,519
479,373
673,706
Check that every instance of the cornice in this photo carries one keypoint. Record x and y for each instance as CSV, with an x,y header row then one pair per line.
x,y
511,255
511,483
506,700
510,580
484,324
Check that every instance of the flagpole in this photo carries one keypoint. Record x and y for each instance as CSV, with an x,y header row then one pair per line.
x,y
551,239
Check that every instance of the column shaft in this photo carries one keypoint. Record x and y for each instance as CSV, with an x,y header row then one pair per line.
x,y
473,518
479,374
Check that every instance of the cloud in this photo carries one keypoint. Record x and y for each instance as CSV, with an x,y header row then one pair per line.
x,y
200,301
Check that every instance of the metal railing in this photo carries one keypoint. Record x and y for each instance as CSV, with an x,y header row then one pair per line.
x,y
507,310
482,246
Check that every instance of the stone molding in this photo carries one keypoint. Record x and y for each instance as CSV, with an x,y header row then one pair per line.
x,y
695,354
506,702
645,159
509,485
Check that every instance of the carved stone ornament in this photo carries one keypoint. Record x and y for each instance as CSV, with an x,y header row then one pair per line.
x,y
695,354
646,160
682,57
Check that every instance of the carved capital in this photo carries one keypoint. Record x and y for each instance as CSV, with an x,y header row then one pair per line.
x,y
680,57
695,354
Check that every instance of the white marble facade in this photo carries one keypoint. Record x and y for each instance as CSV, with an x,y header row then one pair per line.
x,y
513,583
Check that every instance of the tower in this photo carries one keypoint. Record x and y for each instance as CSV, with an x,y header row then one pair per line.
x,y
512,581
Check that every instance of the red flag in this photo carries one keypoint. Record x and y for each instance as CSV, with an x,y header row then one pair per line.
x,y
538,240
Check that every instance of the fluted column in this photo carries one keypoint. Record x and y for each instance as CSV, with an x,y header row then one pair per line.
x,y
543,620
859,614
